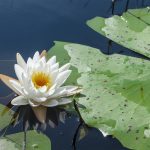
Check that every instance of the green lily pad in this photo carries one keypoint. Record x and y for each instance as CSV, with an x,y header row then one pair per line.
x,y
7,144
131,30
117,97
5,118
58,51
35,141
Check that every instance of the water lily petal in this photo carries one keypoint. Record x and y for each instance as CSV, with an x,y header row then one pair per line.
x,y
30,64
39,99
43,89
6,80
69,88
50,103
33,103
74,92
63,101
54,75
43,53
54,67
62,77
21,61
19,100
36,56
50,92
43,61
17,86
64,67
26,81
65,91
19,71
52,61
59,93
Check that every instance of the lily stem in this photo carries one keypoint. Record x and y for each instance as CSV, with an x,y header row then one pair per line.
x,y
75,136
24,141
113,7
82,122
109,47
127,5
78,112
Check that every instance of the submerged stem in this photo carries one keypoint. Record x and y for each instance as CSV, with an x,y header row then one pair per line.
x,y
109,46
127,5
24,141
113,7
75,136
82,123
78,112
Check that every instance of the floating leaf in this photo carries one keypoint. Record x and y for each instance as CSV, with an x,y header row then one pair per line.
x,y
5,118
35,141
7,144
117,97
116,89
131,30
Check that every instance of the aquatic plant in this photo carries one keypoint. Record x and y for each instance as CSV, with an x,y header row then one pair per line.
x,y
115,88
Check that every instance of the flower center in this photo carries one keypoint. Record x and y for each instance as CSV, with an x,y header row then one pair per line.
x,y
40,79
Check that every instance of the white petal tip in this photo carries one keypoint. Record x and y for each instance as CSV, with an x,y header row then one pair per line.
x,y
43,53
17,54
19,100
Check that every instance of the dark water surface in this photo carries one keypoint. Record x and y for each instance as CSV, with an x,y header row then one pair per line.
x,y
30,25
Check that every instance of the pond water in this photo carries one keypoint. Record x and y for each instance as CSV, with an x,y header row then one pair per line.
x,y
30,25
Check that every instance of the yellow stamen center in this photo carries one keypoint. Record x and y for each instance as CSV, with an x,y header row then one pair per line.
x,y
40,79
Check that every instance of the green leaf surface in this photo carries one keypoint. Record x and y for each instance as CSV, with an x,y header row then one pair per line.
x,y
5,118
7,145
35,141
131,30
117,97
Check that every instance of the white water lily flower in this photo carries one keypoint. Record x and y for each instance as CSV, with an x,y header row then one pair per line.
x,y
40,82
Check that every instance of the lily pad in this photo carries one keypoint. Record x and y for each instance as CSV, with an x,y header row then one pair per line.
x,y
116,89
5,118
7,144
131,30
35,141
117,97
